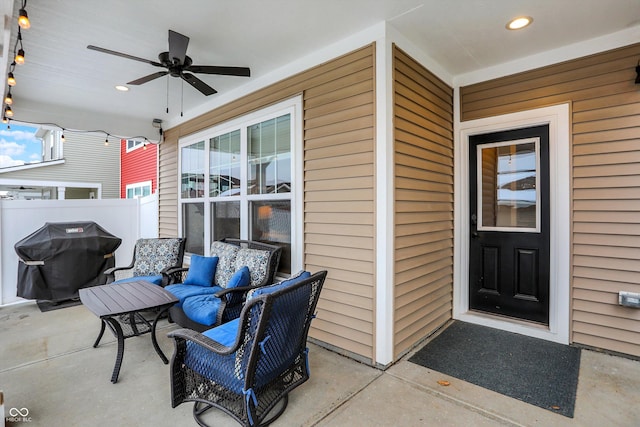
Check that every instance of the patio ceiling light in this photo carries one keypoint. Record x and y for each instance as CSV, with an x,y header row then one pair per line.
x,y
519,22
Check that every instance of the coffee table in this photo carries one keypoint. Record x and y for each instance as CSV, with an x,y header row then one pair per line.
x,y
119,307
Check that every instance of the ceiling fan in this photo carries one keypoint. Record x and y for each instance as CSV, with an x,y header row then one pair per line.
x,y
178,64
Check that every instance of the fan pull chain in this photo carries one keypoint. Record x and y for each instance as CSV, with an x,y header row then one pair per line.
x,y
167,94
182,98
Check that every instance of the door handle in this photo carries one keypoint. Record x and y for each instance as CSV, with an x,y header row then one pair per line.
x,y
475,235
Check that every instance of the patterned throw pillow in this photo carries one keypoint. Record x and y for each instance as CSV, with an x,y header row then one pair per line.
x,y
256,260
153,255
226,254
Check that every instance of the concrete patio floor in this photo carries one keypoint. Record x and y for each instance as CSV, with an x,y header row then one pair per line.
x,y
49,367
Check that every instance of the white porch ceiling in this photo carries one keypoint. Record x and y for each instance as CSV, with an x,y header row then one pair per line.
x,y
65,83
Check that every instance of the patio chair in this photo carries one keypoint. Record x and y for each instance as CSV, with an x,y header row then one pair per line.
x,y
248,366
211,291
151,258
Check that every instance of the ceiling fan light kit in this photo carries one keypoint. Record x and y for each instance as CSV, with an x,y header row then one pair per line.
x,y
178,64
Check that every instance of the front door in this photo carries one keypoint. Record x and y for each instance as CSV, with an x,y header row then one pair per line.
x,y
509,230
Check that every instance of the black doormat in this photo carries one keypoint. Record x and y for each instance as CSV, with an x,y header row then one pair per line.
x,y
535,371
45,305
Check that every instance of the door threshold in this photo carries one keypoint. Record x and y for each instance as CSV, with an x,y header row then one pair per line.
x,y
509,324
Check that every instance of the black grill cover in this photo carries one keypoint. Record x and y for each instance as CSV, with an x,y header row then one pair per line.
x,y
60,258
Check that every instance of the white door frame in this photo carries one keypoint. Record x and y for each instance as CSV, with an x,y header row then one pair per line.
x,y
557,117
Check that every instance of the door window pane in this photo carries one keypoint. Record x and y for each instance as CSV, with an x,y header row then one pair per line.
x,y
269,156
192,171
225,220
193,227
271,223
508,194
224,170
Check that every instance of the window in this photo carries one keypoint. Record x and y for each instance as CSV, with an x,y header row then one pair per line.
x,y
508,182
237,180
140,189
132,144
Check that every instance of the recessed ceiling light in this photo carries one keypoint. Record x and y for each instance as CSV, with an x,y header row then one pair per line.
x,y
122,88
519,22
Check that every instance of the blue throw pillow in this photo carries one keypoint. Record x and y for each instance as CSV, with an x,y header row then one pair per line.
x,y
241,277
202,270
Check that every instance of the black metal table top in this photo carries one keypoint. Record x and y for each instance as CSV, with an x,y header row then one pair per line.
x,y
114,299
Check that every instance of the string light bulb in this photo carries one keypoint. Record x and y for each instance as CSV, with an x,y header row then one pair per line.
x,y
20,57
106,141
11,80
62,138
23,19
8,111
8,99
5,120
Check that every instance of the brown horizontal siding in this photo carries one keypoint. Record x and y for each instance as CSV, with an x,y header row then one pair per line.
x,y
605,130
423,208
338,104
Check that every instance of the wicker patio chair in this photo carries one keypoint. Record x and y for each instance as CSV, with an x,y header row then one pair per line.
x,y
248,366
151,258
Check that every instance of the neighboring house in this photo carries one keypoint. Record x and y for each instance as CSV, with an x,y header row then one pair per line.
x,y
81,167
139,168
380,168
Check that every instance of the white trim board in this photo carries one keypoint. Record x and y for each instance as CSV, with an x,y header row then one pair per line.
x,y
557,117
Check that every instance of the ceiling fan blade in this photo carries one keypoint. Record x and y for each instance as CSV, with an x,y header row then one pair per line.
x,y
148,78
178,44
225,71
198,84
123,55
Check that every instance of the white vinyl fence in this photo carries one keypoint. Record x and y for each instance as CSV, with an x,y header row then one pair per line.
x,y
128,219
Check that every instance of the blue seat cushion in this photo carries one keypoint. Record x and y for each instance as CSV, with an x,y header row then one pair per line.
x,y
225,334
202,309
219,368
202,271
156,280
182,291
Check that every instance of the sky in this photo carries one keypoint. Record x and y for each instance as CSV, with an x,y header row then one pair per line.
x,y
18,145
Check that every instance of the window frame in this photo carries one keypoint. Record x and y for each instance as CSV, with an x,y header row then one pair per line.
x,y
136,144
293,107
138,185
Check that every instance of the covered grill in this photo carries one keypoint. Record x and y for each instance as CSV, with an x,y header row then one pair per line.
x,y
60,258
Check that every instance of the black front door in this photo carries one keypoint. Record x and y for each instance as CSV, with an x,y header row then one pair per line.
x,y
509,230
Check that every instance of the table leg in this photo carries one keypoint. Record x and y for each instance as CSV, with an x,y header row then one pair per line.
x,y
120,335
153,336
102,325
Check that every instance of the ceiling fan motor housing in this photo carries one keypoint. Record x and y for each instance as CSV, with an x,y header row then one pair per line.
x,y
173,64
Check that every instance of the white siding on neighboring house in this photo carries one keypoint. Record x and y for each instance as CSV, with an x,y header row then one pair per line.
x,y
86,160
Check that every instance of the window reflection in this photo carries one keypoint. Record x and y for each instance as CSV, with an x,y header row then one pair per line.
x,y
509,193
270,156
224,172
271,223
193,227
225,220
192,171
